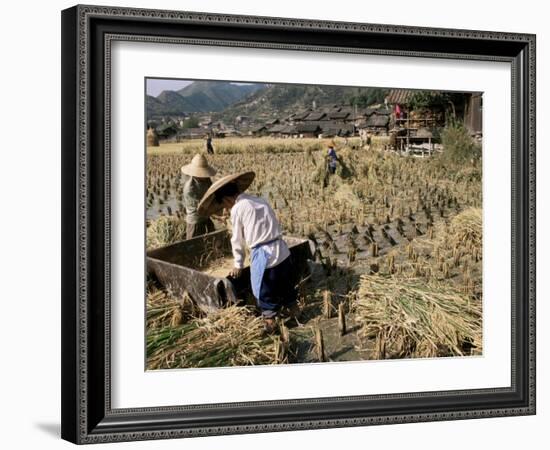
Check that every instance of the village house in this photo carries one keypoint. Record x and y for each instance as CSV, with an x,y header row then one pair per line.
x,y
228,132
276,130
300,116
315,116
412,130
289,131
259,131
308,130
272,122
378,124
338,115
192,133
246,130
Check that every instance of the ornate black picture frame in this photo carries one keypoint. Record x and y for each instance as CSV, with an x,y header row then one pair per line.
x,y
87,35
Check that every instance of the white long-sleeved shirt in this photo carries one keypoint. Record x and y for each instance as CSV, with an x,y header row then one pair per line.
x,y
254,222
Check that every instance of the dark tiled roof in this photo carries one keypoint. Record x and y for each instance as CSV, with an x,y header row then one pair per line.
x,y
338,115
316,115
289,129
277,128
377,121
336,128
333,124
361,113
307,127
302,115
330,131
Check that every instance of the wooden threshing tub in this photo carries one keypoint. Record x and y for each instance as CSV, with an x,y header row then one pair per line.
x,y
178,267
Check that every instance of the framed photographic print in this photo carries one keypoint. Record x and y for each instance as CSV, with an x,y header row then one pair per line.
x,y
283,224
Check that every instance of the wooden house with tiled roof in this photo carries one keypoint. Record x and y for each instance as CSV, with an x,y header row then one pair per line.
x,y
308,129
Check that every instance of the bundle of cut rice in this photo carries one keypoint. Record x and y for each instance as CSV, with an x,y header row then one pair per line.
x,y
409,318
466,229
229,337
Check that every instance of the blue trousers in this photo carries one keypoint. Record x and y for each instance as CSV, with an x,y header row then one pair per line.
x,y
278,288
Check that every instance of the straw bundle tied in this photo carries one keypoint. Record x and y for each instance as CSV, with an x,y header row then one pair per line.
x,y
466,228
152,138
409,318
229,337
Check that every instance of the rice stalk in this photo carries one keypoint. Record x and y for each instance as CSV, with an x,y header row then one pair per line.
x,y
229,337
413,318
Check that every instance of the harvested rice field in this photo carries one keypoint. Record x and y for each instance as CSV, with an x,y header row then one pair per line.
x,y
396,269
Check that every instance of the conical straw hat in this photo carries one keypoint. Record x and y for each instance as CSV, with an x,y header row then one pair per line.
x,y
208,204
199,167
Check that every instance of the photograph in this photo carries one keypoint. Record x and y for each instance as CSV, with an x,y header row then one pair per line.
x,y
301,223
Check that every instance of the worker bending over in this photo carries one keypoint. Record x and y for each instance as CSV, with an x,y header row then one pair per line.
x,y
255,226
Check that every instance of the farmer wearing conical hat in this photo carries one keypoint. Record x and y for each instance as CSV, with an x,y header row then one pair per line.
x,y
256,227
196,182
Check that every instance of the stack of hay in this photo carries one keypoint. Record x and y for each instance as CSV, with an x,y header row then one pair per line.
x,y
229,337
466,230
152,138
164,310
409,318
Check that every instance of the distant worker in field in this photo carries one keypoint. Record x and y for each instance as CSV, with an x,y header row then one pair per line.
x,y
332,158
366,138
255,226
209,146
197,180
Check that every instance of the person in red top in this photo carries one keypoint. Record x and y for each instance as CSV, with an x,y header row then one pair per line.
x,y
397,112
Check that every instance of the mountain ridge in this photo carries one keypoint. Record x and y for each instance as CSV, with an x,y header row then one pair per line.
x,y
281,100
198,97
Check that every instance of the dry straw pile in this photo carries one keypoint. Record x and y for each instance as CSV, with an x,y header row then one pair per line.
x,y
164,310
164,231
229,337
413,318
466,229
